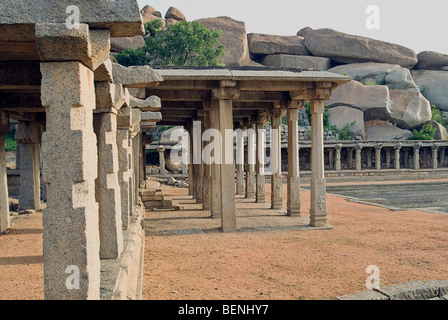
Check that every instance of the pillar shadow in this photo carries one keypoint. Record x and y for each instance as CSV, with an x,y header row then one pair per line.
x,y
15,261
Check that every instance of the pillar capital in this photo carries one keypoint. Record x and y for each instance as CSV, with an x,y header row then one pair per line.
x,y
435,146
225,93
359,146
378,146
418,145
277,113
398,146
321,91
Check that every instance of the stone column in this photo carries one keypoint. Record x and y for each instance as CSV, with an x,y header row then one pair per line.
x,y
388,158
338,162
28,135
223,98
162,160
424,158
293,201
216,167
397,156
250,162
240,190
369,157
260,159
435,151
207,168
124,171
416,148
406,158
70,166
350,157
4,200
358,150
378,148
318,211
191,175
198,163
331,159
276,160
442,156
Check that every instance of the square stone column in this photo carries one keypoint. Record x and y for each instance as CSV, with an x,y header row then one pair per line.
x,y
397,156
293,201
71,238
338,160
434,157
318,211
198,163
216,167
124,151
4,200
276,159
416,148
189,129
108,193
28,135
207,168
240,188
260,160
162,160
223,99
378,148
250,161
358,159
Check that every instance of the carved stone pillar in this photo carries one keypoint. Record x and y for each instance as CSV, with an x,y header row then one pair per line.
x,y
276,159
293,201
250,161
416,148
4,200
358,150
162,160
435,152
338,161
260,159
378,148
397,156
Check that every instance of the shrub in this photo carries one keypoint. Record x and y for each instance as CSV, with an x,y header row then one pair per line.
x,y
427,132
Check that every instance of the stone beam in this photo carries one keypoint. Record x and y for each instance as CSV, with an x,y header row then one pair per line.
x,y
121,17
110,97
182,95
22,102
135,76
152,103
20,76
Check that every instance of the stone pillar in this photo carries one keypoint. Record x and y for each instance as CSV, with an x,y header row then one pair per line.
x,y
162,160
276,160
124,172
250,162
416,148
350,157
240,190
216,167
4,200
369,157
388,158
293,199
424,158
358,150
331,159
397,156
198,163
207,168
435,151
378,148
28,135
406,158
338,162
442,156
70,222
223,98
318,211
191,175
260,159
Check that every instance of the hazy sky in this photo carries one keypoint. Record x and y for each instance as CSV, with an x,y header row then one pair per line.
x,y
420,26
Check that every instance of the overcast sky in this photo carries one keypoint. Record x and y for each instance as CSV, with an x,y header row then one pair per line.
x,y
420,26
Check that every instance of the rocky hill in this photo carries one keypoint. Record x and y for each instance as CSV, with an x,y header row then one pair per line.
x,y
392,90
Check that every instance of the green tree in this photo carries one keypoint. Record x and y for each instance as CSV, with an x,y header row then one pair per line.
x,y
181,44
427,132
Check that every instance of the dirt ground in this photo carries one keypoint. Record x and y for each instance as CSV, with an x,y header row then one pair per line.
x,y
270,265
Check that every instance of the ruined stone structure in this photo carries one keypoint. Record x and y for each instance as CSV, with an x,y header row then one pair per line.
x,y
88,117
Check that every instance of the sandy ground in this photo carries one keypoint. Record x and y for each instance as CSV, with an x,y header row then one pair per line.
x,y
296,264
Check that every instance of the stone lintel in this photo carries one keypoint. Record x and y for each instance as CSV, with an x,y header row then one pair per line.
x,y
150,117
110,96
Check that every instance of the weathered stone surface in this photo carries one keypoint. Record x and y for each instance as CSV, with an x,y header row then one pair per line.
x,y
378,130
417,290
264,44
433,85
151,116
121,17
346,48
291,61
364,295
233,37
431,60
110,95
356,95
170,21
147,9
175,14
136,76
304,31
441,133
91,47
152,103
104,72
71,232
392,75
342,116
410,108
120,44
4,204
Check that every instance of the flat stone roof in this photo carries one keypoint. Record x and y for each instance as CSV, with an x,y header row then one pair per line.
x,y
249,74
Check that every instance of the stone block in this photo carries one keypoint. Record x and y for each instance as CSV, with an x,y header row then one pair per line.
x,y
291,61
136,76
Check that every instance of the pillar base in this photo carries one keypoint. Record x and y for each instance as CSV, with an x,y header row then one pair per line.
x,y
318,222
